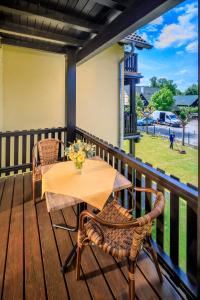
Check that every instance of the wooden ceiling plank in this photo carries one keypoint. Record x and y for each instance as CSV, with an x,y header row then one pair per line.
x,y
34,45
49,14
111,4
33,32
135,16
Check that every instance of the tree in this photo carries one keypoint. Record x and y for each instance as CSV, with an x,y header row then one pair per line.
x,y
164,83
153,81
192,90
184,116
162,100
139,105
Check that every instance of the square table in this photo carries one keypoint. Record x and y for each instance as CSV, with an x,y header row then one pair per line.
x,y
56,201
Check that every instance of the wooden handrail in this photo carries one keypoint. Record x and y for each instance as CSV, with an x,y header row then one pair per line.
x,y
184,191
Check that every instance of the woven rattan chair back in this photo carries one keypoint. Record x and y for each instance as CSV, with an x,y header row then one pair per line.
x,y
48,151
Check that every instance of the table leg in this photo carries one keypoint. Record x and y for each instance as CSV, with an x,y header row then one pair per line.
x,y
70,258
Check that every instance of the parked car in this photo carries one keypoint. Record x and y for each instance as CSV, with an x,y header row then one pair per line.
x,y
144,121
166,117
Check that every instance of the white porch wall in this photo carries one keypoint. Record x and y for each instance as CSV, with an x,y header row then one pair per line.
x,y
98,94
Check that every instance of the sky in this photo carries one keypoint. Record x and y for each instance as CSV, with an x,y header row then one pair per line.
x,y
174,37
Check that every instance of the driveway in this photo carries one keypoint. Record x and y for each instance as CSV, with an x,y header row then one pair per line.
x,y
191,133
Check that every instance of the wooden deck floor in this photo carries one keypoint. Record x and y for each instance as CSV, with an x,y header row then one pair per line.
x,y
31,254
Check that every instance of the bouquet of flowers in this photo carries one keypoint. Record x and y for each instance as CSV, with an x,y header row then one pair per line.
x,y
79,151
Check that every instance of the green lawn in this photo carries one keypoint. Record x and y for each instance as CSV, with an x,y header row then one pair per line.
x,y
155,150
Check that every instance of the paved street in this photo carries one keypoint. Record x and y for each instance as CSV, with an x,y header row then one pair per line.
x,y
191,135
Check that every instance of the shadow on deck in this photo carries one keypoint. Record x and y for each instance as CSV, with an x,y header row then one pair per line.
x,y
32,253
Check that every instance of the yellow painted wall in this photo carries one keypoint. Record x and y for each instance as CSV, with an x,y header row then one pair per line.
x,y
98,94
33,89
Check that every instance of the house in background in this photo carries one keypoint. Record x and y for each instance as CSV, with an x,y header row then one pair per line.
x,y
146,93
186,101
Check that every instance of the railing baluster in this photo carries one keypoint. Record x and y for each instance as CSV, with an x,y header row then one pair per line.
x,y
24,149
148,199
7,152
160,219
174,226
191,246
16,151
138,181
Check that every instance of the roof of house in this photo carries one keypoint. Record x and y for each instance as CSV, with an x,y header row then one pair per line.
x,y
146,91
186,100
137,40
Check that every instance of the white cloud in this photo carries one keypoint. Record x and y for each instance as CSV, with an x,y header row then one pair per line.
x,y
144,36
177,34
192,47
181,72
179,52
158,21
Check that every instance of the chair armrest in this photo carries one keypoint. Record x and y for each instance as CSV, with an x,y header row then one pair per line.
x,y
87,214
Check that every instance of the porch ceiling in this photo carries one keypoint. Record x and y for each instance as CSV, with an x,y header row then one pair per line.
x,y
87,26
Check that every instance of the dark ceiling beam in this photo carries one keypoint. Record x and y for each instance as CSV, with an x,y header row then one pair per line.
x,y
42,34
111,4
34,45
50,15
135,16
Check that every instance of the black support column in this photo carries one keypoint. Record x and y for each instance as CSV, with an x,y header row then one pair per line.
x,y
70,95
133,113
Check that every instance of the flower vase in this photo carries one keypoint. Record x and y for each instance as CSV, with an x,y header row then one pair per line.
x,y
79,167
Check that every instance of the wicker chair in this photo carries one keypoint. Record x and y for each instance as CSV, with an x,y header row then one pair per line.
x,y
116,232
48,154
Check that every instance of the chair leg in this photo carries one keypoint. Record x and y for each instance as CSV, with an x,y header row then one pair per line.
x,y
78,262
131,276
33,191
154,257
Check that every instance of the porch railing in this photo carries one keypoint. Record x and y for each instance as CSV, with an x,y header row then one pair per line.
x,y
130,63
130,126
16,147
178,195
15,156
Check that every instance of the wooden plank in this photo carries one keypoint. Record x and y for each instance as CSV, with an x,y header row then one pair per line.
x,y
50,16
164,290
112,273
2,183
33,267
54,279
34,45
143,290
64,246
94,278
40,35
14,265
5,212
